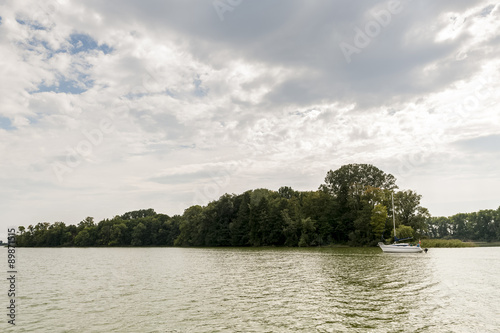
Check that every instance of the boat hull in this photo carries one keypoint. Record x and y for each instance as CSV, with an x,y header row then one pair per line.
x,y
400,248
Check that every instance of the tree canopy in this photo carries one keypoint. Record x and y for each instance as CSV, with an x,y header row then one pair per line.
x,y
352,207
353,179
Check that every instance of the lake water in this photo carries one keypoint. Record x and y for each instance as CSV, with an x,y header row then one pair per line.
x,y
255,290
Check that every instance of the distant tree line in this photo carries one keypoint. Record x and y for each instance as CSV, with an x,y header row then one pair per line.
x,y
478,226
352,207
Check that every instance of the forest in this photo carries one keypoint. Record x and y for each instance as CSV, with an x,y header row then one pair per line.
x,y
353,207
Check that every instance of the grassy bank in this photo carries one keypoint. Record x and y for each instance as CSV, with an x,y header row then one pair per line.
x,y
445,243
487,244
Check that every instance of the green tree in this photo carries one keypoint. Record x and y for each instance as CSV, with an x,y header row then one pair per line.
x,y
40,234
404,231
138,234
172,229
497,223
348,185
218,215
239,228
272,231
307,235
409,212
259,218
104,230
137,214
291,229
378,220
190,227
287,192
320,207
83,238
86,223
118,233
56,235
460,225
354,178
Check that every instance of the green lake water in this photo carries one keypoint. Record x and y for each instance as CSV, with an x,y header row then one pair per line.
x,y
254,290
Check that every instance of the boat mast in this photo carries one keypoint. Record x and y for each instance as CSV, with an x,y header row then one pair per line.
x,y
393,215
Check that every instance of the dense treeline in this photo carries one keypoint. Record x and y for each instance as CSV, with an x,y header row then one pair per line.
x,y
139,228
353,207
478,226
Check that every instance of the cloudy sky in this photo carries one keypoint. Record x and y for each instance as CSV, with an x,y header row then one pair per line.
x,y
112,106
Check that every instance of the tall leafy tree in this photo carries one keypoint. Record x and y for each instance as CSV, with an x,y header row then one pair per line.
x,y
409,212
320,207
287,192
138,234
308,232
239,228
291,229
259,218
347,185
378,219
352,179
190,227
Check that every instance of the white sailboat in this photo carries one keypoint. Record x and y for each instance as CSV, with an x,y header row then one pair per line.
x,y
399,247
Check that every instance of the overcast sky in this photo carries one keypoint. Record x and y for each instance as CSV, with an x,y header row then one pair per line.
x,y
113,106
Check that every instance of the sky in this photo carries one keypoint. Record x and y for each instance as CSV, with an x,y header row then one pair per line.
x,y
114,106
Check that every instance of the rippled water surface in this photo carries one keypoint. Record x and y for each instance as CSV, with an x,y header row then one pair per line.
x,y
256,290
